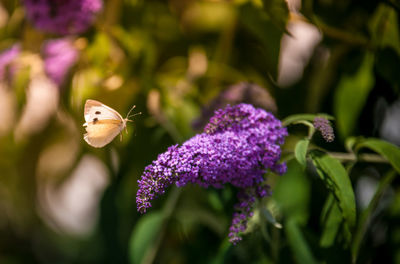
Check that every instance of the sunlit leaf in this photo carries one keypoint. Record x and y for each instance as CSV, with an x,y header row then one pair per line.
x,y
300,152
99,51
351,94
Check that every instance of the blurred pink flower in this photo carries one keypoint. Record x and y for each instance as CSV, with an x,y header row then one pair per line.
x,y
6,57
59,56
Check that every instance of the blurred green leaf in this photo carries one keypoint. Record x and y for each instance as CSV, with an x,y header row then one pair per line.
x,y
386,149
292,193
99,51
143,236
331,219
298,244
337,180
278,11
300,152
301,117
351,94
384,27
269,35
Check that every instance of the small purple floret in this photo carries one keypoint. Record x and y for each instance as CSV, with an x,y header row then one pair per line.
x,y
324,126
238,146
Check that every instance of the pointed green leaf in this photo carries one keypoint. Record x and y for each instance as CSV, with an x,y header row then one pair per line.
x,y
300,152
386,149
337,180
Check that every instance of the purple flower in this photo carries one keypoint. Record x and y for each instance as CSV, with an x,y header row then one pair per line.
x,y
238,146
62,16
6,58
59,56
323,125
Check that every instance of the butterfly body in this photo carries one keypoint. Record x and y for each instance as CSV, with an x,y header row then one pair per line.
x,y
102,124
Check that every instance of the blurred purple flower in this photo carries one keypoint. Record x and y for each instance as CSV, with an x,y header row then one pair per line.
x,y
238,146
323,125
62,16
59,56
6,57
242,92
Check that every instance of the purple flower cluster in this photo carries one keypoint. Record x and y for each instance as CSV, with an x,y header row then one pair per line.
x,y
59,56
323,125
62,16
6,58
238,146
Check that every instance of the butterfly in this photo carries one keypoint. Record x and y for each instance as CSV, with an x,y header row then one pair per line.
x,y
103,123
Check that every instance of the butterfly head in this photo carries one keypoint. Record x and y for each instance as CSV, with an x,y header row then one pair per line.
x,y
128,116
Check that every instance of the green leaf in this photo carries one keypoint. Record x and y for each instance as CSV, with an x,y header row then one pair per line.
x,y
278,11
269,35
383,27
292,193
351,94
337,180
99,51
331,219
143,236
298,243
300,152
303,117
386,149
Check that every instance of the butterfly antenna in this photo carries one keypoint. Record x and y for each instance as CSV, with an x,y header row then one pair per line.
x,y
133,107
135,114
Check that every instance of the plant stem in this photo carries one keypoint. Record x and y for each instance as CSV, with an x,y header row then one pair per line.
x,y
362,157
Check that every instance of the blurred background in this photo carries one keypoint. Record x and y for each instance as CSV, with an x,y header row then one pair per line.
x,y
62,201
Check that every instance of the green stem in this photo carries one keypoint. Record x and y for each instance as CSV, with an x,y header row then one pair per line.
x,y
362,157
339,34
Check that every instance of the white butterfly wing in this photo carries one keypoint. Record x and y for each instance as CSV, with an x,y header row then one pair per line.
x,y
102,132
103,123
94,109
